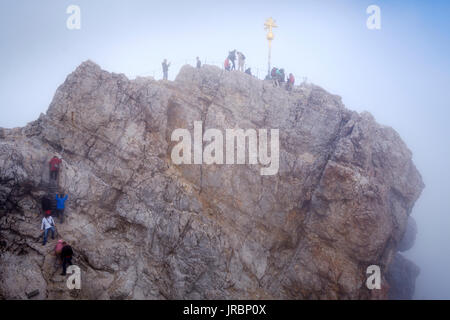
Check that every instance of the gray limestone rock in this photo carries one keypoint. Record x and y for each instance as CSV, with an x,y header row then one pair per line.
x,y
143,227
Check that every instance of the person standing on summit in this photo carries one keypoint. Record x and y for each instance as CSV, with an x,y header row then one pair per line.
x,y
165,67
241,61
55,163
232,58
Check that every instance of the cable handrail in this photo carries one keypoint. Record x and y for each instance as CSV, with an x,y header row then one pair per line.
x,y
257,71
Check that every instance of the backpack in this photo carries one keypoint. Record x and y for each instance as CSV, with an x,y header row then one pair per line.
x,y
273,72
291,79
66,251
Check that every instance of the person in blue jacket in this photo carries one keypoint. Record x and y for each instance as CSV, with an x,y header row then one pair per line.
x,y
60,206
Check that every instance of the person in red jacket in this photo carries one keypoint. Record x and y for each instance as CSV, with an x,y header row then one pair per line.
x,y
290,83
55,163
227,64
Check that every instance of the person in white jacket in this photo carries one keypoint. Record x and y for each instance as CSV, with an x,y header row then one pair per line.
x,y
241,61
48,224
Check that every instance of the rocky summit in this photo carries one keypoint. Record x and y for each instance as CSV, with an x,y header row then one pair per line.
x,y
143,227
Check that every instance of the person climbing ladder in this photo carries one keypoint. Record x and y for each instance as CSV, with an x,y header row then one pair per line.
x,y
55,163
46,204
60,206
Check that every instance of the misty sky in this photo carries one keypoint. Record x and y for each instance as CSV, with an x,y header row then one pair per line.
x,y
401,73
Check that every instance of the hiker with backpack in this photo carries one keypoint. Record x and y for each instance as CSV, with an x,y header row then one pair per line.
x,y
274,75
66,256
232,58
165,67
48,225
60,206
241,61
54,163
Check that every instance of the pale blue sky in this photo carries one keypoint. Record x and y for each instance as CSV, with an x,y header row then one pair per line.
x,y
401,73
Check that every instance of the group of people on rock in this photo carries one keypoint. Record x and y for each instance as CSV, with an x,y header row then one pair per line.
x,y
232,55
278,77
63,251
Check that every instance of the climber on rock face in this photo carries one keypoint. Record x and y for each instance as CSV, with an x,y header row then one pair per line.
x,y
58,249
48,225
66,256
55,163
165,67
60,206
46,204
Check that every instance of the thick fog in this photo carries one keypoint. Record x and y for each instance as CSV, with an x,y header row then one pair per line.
x,y
400,73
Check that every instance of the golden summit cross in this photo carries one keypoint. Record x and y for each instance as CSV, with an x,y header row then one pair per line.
x,y
268,25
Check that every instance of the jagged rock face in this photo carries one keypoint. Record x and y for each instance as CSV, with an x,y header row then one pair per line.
x,y
402,276
145,228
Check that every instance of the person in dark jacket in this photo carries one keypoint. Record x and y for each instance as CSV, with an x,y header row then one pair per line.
x,y
60,206
232,57
165,67
199,63
46,204
66,256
